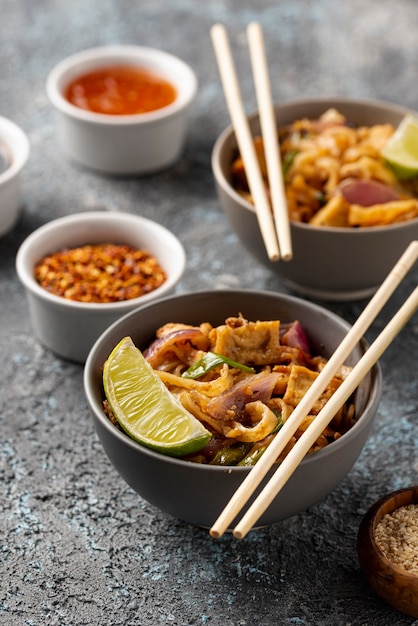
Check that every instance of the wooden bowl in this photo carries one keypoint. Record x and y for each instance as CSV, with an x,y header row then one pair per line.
x,y
394,584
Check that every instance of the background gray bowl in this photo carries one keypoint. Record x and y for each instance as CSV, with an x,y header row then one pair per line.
x,y
197,493
328,263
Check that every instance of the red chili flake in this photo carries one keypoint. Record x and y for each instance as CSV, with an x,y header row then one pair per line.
x,y
105,272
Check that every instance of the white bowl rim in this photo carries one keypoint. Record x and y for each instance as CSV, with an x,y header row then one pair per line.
x,y
186,88
124,438
90,217
327,101
19,147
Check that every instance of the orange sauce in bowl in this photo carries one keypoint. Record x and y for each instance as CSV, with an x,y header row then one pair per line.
x,y
120,90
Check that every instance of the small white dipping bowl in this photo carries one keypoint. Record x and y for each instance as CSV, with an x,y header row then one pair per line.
x,y
15,144
70,328
123,144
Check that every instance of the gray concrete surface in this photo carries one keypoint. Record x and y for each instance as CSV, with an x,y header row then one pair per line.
x,y
78,547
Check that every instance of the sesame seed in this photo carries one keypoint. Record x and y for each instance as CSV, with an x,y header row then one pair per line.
x,y
397,537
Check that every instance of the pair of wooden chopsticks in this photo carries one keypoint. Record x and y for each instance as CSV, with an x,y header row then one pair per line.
x,y
274,225
295,456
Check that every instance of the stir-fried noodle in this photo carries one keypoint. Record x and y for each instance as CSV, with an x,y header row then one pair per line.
x,y
335,174
243,379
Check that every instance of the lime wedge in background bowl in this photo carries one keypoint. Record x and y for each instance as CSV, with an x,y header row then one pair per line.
x,y
401,151
144,407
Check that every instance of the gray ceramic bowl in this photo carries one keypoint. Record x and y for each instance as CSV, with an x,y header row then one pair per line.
x,y
328,263
70,328
197,493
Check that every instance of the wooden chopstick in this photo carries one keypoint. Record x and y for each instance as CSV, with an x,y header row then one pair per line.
x,y
257,473
306,441
244,139
270,139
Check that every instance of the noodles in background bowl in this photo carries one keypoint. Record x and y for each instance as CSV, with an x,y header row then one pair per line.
x,y
335,175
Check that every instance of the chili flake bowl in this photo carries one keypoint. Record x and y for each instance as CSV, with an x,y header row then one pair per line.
x,y
329,263
197,493
123,144
68,327
14,153
392,582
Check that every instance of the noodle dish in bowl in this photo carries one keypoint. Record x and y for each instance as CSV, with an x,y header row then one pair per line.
x,y
352,213
235,363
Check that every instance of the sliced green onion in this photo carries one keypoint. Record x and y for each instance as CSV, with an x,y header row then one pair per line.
x,y
231,455
320,196
251,459
287,161
211,360
279,424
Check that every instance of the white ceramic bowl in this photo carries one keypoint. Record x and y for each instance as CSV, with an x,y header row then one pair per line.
x,y
328,263
123,144
195,492
70,328
16,144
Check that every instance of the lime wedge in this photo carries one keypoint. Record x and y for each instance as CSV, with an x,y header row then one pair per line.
x,y
401,150
145,408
